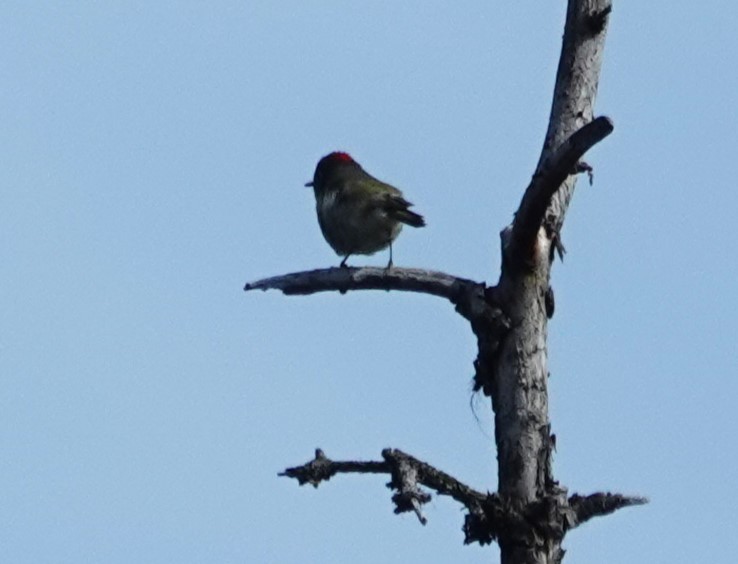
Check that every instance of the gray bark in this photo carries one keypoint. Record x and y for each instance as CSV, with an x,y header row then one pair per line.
x,y
519,379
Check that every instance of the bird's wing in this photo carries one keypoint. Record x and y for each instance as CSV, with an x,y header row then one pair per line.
x,y
398,208
385,197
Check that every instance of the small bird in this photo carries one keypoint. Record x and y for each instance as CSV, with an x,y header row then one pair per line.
x,y
357,213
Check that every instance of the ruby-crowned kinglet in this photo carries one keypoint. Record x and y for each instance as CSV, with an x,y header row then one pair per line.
x,y
357,213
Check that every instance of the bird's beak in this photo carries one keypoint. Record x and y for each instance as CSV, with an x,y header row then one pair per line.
x,y
309,184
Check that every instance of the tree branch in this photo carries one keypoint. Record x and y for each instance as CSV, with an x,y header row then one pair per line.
x,y
407,472
321,468
366,278
488,516
546,181
472,299
599,504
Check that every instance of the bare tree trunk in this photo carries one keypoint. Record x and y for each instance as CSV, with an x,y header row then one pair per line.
x,y
519,383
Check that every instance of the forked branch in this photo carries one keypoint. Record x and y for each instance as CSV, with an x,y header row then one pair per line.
x,y
407,472
552,173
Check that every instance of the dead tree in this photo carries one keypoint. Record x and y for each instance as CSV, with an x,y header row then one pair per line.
x,y
531,512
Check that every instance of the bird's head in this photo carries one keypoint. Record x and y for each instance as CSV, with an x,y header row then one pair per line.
x,y
331,168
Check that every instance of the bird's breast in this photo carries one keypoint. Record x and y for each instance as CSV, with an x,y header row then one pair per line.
x,y
326,203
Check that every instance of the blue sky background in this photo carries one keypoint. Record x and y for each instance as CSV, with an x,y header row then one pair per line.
x,y
153,157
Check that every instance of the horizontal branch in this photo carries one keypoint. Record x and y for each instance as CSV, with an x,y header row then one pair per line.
x,y
469,297
600,504
366,278
321,468
546,181
407,472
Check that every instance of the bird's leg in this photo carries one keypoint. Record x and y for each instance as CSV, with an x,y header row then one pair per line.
x,y
343,262
389,264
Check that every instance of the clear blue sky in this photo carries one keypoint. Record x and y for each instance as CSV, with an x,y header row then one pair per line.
x,y
153,160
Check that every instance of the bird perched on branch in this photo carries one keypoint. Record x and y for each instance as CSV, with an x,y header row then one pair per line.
x,y
357,213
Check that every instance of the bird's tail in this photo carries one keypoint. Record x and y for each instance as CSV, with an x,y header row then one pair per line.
x,y
398,209
410,218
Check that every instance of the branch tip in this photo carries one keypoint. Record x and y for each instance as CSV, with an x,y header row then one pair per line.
x,y
600,504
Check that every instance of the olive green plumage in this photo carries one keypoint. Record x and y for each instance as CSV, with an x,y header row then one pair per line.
x,y
357,213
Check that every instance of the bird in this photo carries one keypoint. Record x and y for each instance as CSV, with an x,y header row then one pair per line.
x,y
357,213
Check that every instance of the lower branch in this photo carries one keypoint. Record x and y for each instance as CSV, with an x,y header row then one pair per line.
x,y
321,468
407,472
489,518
